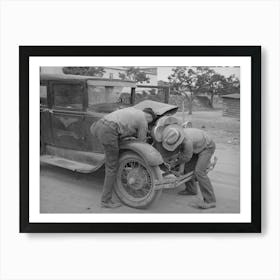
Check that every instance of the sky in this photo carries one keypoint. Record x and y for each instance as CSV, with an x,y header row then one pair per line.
x,y
164,72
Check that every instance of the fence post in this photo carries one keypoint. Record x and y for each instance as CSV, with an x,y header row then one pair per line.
x,y
167,94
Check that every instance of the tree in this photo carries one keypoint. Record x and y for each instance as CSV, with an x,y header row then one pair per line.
x,y
213,83
84,71
201,79
134,74
210,82
231,85
215,86
185,82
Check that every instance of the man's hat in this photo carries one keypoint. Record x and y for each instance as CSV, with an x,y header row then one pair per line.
x,y
172,137
161,124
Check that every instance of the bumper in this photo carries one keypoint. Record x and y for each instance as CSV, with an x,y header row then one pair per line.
x,y
173,183
176,182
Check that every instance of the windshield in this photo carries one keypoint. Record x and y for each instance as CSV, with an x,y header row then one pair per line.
x,y
106,99
146,93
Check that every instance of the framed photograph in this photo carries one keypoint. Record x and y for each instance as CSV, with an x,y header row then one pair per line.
x,y
140,139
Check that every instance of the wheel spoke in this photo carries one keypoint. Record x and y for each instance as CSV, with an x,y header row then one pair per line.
x,y
135,179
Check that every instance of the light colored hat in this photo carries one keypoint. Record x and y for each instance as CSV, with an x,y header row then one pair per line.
x,y
161,124
172,137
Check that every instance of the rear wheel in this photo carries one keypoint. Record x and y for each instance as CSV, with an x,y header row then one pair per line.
x,y
135,182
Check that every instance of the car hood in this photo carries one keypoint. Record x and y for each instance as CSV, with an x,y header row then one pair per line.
x,y
158,107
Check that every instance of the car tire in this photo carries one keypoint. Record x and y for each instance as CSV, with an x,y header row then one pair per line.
x,y
135,181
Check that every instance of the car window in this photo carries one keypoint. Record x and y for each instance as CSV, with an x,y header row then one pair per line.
x,y
106,99
68,96
149,94
43,95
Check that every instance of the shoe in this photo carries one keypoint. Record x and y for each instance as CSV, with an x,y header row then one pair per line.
x,y
110,204
186,192
204,205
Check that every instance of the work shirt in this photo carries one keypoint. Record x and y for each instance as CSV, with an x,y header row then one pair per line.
x,y
130,121
195,141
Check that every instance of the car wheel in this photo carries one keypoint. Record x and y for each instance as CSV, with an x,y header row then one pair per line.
x,y
135,182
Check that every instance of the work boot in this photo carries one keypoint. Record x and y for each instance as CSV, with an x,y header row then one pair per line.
x,y
110,204
203,205
190,189
186,192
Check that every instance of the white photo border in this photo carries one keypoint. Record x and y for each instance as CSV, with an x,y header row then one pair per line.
x,y
244,62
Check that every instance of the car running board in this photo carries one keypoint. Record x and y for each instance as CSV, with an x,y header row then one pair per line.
x,y
68,164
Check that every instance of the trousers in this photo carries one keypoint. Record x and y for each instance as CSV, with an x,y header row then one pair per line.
x,y
204,182
107,134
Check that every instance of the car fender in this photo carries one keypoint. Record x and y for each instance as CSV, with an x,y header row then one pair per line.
x,y
146,151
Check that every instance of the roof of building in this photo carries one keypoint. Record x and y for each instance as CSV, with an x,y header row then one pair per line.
x,y
232,96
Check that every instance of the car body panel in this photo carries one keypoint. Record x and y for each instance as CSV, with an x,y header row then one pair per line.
x,y
159,108
146,151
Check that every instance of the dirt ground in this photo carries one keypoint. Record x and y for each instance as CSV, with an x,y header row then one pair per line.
x,y
63,191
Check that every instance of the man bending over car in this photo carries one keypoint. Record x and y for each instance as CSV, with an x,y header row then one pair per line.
x,y
193,141
128,122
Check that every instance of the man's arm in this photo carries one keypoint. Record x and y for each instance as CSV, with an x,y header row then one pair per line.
x,y
187,153
142,130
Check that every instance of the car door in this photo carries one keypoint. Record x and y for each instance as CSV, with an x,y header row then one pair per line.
x,y
68,114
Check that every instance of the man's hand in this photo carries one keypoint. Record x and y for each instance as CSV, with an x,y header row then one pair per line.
x,y
183,159
173,163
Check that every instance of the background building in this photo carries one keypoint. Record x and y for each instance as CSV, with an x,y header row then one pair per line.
x,y
231,105
112,72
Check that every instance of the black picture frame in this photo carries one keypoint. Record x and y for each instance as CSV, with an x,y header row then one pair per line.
x,y
25,52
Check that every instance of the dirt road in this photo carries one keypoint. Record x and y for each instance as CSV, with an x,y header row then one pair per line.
x,y
63,191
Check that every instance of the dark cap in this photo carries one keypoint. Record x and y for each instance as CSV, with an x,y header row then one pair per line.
x,y
151,112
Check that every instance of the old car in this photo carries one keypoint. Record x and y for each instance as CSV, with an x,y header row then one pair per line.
x,y
70,104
